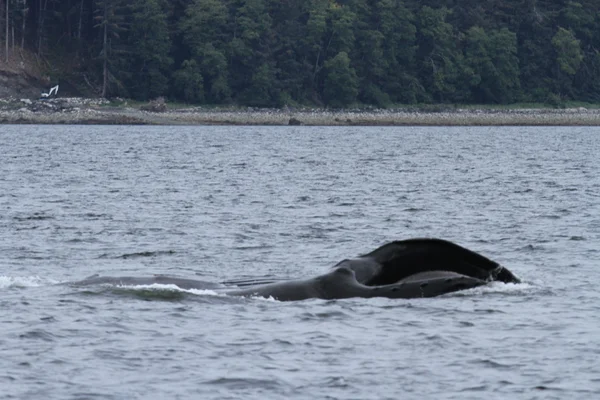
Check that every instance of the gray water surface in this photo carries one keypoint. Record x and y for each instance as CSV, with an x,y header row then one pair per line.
x,y
218,203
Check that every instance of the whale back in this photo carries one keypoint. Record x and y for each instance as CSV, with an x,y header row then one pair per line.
x,y
401,259
365,269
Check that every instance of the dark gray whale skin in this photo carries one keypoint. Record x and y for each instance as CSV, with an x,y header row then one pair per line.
x,y
403,269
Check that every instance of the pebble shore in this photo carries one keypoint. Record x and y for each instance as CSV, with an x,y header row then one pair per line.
x,y
98,111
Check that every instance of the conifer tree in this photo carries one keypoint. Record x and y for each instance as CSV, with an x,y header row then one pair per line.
x,y
205,32
148,57
341,83
109,21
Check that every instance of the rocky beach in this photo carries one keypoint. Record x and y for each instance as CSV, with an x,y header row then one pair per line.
x,y
101,111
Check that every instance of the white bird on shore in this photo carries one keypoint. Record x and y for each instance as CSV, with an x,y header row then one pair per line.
x,y
52,90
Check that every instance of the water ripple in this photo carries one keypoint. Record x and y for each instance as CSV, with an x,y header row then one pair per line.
x,y
228,203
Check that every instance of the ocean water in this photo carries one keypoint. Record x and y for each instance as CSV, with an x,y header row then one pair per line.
x,y
219,203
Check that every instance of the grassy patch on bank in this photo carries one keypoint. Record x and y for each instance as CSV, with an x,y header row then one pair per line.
x,y
426,108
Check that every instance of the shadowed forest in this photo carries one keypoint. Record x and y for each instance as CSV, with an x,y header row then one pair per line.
x,y
334,53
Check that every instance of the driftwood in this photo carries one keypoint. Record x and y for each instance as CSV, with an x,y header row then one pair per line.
x,y
156,105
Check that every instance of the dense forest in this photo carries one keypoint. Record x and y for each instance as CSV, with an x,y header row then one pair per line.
x,y
331,53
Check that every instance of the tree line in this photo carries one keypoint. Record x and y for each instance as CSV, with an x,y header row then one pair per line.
x,y
331,53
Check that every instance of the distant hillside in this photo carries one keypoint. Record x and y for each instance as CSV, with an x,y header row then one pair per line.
x,y
333,53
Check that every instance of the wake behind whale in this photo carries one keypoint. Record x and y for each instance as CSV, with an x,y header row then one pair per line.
x,y
402,269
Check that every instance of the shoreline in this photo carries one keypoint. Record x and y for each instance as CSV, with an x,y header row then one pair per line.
x,y
63,111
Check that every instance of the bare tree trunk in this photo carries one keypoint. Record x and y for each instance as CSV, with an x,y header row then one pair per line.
x,y
79,27
80,21
6,37
43,7
105,52
25,11
39,29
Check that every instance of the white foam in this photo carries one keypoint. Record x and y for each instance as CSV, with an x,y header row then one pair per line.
x,y
24,281
496,287
175,288
169,287
262,298
501,287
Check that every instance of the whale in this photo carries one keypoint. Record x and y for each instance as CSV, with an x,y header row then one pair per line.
x,y
402,269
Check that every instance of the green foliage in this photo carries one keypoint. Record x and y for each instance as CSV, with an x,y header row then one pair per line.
x,y
253,79
150,46
205,34
568,51
188,83
262,91
109,19
205,23
492,65
399,83
505,83
321,52
341,83
342,19
442,67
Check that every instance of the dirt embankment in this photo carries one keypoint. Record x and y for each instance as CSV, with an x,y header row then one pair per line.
x,y
18,85
22,76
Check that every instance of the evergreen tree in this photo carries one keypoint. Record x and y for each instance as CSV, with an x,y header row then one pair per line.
x,y
205,32
252,75
149,48
370,49
109,21
535,47
492,65
397,24
334,52
440,59
316,41
504,83
568,58
341,82
479,63
290,61
188,83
